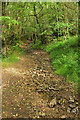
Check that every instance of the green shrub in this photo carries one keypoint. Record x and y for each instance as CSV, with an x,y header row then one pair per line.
x,y
64,56
37,45
17,48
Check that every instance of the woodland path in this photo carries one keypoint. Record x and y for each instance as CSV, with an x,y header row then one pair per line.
x,y
30,86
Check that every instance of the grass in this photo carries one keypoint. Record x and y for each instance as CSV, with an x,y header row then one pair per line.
x,y
12,57
64,57
7,61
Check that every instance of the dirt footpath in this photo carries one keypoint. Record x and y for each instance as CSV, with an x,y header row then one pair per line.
x,y
31,89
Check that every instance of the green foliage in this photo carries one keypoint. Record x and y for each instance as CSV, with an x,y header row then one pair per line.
x,y
12,55
17,49
45,20
64,56
12,58
37,45
8,20
71,42
9,35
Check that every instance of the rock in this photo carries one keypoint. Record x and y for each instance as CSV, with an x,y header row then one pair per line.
x,y
71,101
34,72
63,116
41,114
51,88
34,108
41,70
38,74
72,106
53,108
33,75
68,109
53,102
75,110
70,97
45,71
77,103
63,107
43,75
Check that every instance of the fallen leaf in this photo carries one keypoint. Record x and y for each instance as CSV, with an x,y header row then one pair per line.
x,y
16,114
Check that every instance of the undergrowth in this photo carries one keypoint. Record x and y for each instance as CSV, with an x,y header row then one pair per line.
x,y
12,55
37,45
7,61
64,57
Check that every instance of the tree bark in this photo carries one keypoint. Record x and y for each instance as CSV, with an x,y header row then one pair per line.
x,y
38,23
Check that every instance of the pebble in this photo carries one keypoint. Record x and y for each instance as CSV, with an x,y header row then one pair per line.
x,y
34,72
71,101
68,109
70,98
33,76
63,116
41,70
75,110
41,114
76,103
53,102
72,106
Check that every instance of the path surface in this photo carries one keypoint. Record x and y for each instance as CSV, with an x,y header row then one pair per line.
x,y
31,89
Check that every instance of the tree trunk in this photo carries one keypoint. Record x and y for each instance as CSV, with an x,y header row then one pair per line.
x,y
38,24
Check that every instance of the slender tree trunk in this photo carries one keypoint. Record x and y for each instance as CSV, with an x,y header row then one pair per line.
x,y
38,23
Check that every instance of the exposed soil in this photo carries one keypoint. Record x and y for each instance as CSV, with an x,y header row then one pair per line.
x,y
30,86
